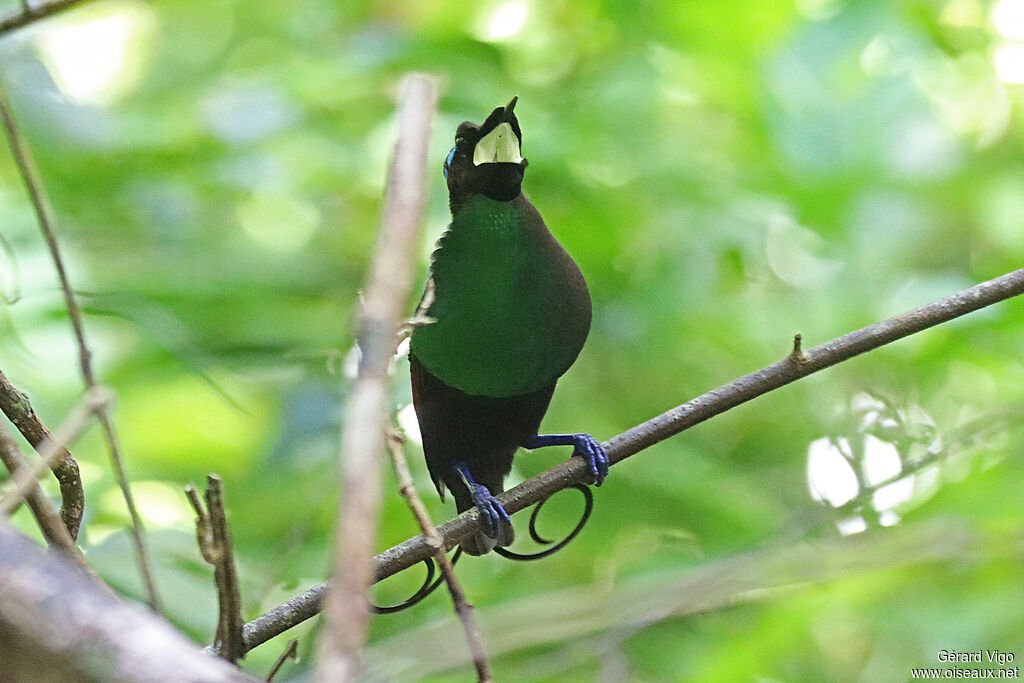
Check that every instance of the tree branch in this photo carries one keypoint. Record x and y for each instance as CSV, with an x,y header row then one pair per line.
x,y
291,652
27,479
30,14
954,442
645,435
56,625
16,407
387,291
463,609
572,615
44,215
214,537
26,485
53,529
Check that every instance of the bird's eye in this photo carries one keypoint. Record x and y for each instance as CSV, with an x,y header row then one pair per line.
x,y
448,163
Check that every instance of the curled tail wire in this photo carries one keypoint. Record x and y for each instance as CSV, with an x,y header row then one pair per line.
x,y
588,507
430,583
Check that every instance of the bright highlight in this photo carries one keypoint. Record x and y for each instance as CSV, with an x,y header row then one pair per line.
x,y
1008,18
505,22
94,60
1009,63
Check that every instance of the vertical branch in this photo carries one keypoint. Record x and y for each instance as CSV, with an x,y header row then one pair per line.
x,y
387,290
15,405
214,536
462,607
44,214
231,646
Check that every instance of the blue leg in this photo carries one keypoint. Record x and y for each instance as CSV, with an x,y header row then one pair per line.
x,y
492,514
587,447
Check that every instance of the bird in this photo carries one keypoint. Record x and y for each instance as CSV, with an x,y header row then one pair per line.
x,y
505,313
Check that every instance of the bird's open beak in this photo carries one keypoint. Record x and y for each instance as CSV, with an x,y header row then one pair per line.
x,y
501,144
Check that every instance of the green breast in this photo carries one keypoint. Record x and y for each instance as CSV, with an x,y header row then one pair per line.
x,y
512,310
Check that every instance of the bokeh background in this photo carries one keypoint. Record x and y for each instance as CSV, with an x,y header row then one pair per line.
x,y
726,174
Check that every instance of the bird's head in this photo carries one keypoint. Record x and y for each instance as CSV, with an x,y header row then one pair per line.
x,y
487,159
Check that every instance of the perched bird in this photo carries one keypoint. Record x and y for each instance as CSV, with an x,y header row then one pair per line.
x,y
507,313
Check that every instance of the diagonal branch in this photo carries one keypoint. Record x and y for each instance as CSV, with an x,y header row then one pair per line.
x,y
795,366
16,407
51,526
572,616
30,14
362,441
55,625
291,652
44,214
462,607
26,486
77,421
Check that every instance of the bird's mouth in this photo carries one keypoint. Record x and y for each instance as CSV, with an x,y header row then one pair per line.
x,y
501,144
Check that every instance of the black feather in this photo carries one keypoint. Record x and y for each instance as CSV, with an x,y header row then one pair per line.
x,y
481,431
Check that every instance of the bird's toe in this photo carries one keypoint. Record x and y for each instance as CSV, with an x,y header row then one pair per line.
x,y
591,450
492,514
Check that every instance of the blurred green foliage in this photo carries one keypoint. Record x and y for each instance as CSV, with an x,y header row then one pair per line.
x,y
726,174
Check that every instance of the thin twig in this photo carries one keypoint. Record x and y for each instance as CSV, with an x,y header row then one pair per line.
x,y
232,647
954,443
50,524
642,436
214,537
44,214
387,290
28,15
15,405
292,652
204,535
462,607
28,478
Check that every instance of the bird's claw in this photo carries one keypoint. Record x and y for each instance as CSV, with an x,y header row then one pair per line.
x,y
492,514
588,448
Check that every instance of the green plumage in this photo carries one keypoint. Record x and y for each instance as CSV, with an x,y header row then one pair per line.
x,y
512,310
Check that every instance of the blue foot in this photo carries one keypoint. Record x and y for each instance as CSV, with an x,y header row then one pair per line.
x,y
492,514
586,447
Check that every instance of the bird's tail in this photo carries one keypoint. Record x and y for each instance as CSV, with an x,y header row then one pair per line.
x,y
480,543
